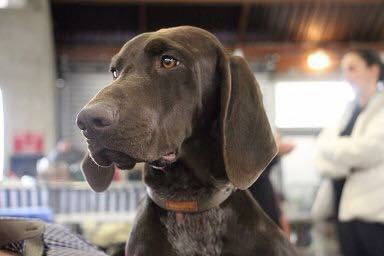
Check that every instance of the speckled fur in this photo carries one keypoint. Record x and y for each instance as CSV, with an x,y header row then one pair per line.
x,y
199,234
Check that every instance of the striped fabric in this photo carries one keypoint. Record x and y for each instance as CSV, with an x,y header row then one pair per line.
x,y
59,241
14,247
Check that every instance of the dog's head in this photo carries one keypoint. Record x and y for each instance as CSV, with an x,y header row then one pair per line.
x,y
166,84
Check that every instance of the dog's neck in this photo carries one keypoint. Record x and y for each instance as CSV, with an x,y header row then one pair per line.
x,y
197,179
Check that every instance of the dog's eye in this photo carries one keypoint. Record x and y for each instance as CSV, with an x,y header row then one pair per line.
x,y
115,73
168,61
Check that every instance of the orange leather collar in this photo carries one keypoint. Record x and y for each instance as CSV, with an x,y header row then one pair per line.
x,y
191,206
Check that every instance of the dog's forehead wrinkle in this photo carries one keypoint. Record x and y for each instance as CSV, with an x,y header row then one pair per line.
x,y
191,38
156,45
115,61
134,78
131,48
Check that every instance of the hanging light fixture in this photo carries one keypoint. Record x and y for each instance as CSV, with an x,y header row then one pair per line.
x,y
318,60
238,52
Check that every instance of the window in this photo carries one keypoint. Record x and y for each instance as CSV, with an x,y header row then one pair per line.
x,y
1,137
310,104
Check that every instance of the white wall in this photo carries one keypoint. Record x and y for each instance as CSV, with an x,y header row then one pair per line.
x,y
27,72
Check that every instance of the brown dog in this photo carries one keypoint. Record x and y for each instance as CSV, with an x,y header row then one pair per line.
x,y
194,115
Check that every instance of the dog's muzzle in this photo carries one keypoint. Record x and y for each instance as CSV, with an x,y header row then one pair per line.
x,y
96,119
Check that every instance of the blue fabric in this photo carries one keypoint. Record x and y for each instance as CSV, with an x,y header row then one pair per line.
x,y
41,213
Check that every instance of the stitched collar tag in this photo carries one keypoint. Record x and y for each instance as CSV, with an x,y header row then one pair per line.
x,y
185,206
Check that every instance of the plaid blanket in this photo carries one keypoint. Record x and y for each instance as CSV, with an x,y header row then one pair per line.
x,y
59,241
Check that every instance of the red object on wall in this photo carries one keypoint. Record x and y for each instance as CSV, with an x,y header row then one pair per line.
x,y
28,143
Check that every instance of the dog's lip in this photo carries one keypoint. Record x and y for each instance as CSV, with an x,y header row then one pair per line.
x,y
123,160
100,158
164,161
129,162
125,165
88,135
169,157
106,161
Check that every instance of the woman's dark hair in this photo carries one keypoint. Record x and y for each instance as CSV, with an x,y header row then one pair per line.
x,y
371,58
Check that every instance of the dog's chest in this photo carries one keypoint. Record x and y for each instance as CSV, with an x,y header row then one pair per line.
x,y
198,233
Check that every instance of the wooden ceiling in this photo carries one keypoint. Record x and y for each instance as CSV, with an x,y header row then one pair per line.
x,y
260,27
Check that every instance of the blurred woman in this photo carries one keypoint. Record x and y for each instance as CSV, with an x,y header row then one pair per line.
x,y
352,154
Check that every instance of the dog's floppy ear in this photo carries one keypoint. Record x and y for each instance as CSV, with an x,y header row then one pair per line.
x,y
99,178
247,141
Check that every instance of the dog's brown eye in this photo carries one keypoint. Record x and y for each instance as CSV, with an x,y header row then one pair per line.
x,y
168,61
115,73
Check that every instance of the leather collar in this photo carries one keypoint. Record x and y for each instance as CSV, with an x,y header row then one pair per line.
x,y
191,206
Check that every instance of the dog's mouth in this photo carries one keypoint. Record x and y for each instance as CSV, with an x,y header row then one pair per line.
x,y
163,162
120,159
103,156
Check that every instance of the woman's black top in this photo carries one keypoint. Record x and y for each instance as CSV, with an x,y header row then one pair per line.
x,y
262,190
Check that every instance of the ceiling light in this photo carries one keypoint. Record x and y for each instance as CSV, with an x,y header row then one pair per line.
x,y
318,60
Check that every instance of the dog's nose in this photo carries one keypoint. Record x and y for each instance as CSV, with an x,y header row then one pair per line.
x,y
97,117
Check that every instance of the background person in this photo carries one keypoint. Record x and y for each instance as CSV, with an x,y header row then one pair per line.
x,y
351,153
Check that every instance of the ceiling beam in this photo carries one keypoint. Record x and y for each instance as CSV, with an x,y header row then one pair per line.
x,y
142,18
293,56
293,48
243,22
231,2
289,55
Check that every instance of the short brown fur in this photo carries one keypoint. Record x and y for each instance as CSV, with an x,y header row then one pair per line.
x,y
208,110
